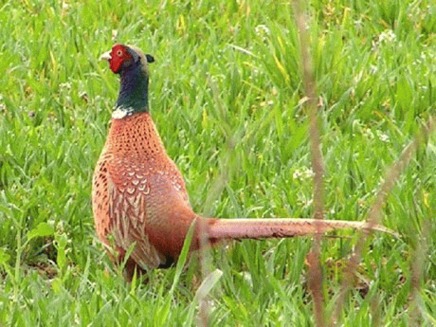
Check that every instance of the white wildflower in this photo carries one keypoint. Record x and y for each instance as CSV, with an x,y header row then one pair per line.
x,y
303,173
358,23
382,136
262,30
65,86
386,36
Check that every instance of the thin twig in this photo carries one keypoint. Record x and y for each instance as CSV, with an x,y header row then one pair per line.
x,y
204,259
417,272
315,272
374,215
226,168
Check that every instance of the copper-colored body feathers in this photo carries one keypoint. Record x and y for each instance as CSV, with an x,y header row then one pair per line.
x,y
139,195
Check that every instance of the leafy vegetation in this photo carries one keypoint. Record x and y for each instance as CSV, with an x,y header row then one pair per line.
x,y
227,97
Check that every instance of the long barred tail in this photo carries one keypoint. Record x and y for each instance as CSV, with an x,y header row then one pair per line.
x,y
246,228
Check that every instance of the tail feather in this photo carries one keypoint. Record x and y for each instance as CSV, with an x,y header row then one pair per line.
x,y
246,228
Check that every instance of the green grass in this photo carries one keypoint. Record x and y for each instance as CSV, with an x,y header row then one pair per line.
x,y
226,96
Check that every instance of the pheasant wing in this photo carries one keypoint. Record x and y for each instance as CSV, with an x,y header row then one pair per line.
x,y
128,189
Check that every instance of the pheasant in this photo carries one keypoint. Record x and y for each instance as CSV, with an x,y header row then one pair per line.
x,y
140,203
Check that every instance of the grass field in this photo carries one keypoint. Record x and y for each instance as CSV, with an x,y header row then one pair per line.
x,y
226,94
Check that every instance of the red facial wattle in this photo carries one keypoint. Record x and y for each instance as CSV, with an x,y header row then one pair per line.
x,y
119,55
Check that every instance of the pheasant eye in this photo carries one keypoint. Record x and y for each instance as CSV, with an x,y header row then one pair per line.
x,y
119,53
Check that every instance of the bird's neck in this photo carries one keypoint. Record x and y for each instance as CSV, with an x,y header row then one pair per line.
x,y
133,96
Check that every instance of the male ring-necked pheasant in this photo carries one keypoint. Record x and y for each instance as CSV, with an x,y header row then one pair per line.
x,y
139,197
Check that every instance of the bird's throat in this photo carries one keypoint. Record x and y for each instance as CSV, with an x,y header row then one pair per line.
x,y
133,95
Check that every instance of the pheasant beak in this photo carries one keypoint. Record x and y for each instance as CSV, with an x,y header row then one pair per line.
x,y
106,56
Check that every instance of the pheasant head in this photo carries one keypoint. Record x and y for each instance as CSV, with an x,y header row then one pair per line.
x,y
132,66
